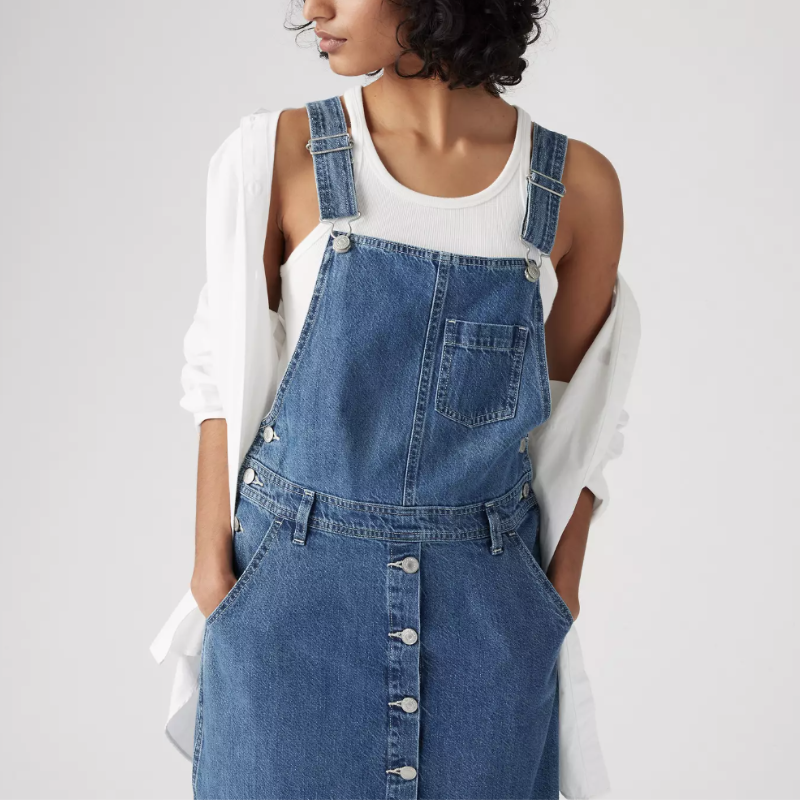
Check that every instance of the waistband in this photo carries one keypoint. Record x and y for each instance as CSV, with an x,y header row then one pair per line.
x,y
327,512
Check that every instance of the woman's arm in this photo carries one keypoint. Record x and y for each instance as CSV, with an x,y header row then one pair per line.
x,y
586,254
213,575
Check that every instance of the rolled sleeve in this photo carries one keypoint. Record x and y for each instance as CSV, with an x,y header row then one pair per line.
x,y
596,481
201,396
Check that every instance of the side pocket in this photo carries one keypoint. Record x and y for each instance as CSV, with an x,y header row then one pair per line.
x,y
531,559
253,519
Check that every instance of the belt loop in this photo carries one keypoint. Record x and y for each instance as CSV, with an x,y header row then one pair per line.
x,y
494,526
301,520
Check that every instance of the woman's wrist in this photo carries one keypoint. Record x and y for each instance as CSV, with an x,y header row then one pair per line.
x,y
213,553
568,588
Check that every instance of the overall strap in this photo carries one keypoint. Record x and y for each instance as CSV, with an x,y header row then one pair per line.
x,y
545,190
332,149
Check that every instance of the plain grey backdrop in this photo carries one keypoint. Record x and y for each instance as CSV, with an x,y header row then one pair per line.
x,y
109,113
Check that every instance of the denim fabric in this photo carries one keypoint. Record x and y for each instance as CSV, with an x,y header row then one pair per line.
x,y
391,633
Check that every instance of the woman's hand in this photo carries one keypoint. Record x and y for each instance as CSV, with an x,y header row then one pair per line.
x,y
209,585
569,594
564,569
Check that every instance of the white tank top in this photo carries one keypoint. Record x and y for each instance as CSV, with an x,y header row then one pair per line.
x,y
487,223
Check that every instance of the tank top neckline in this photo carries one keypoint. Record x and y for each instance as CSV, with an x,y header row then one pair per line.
x,y
367,155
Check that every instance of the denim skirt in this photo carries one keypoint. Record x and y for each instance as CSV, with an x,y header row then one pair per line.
x,y
353,660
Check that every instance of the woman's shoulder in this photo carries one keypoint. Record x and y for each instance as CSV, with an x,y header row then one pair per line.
x,y
589,174
592,212
290,125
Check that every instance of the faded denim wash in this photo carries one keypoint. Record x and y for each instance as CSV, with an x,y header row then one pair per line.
x,y
391,634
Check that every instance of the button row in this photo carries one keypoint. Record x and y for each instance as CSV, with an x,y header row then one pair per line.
x,y
409,636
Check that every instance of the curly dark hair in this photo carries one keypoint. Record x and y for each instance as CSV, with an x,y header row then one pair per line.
x,y
467,42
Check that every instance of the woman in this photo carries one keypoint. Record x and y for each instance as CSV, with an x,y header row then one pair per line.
x,y
376,617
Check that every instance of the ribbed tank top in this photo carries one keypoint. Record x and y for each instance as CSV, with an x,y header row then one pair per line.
x,y
487,223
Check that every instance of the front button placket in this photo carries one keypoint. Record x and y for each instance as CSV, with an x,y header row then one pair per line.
x,y
403,576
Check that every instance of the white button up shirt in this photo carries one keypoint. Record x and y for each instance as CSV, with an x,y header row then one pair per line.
x,y
232,351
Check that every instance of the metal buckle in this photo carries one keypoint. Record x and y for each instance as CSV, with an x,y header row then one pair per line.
x,y
341,242
531,179
533,269
332,149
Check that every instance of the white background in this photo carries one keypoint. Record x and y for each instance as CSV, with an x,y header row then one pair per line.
x,y
109,114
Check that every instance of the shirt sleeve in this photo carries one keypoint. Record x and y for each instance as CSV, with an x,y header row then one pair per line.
x,y
201,393
596,480
201,396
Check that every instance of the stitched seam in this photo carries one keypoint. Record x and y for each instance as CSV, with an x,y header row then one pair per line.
x,y
428,534
459,259
249,571
199,720
378,508
425,379
302,340
542,365
557,602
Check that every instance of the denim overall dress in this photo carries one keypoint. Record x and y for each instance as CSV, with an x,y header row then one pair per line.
x,y
391,634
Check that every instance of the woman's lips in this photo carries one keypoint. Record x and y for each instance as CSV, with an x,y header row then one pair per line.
x,y
327,44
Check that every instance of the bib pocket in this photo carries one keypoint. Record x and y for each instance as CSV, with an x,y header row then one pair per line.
x,y
480,371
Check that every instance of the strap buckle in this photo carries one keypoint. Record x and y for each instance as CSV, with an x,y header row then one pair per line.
x,y
533,270
348,146
531,178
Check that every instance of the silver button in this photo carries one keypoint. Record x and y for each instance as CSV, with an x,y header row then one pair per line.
x,y
237,526
341,243
410,564
532,273
523,443
269,433
249,475
409,705
408,773
526,489
409,636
